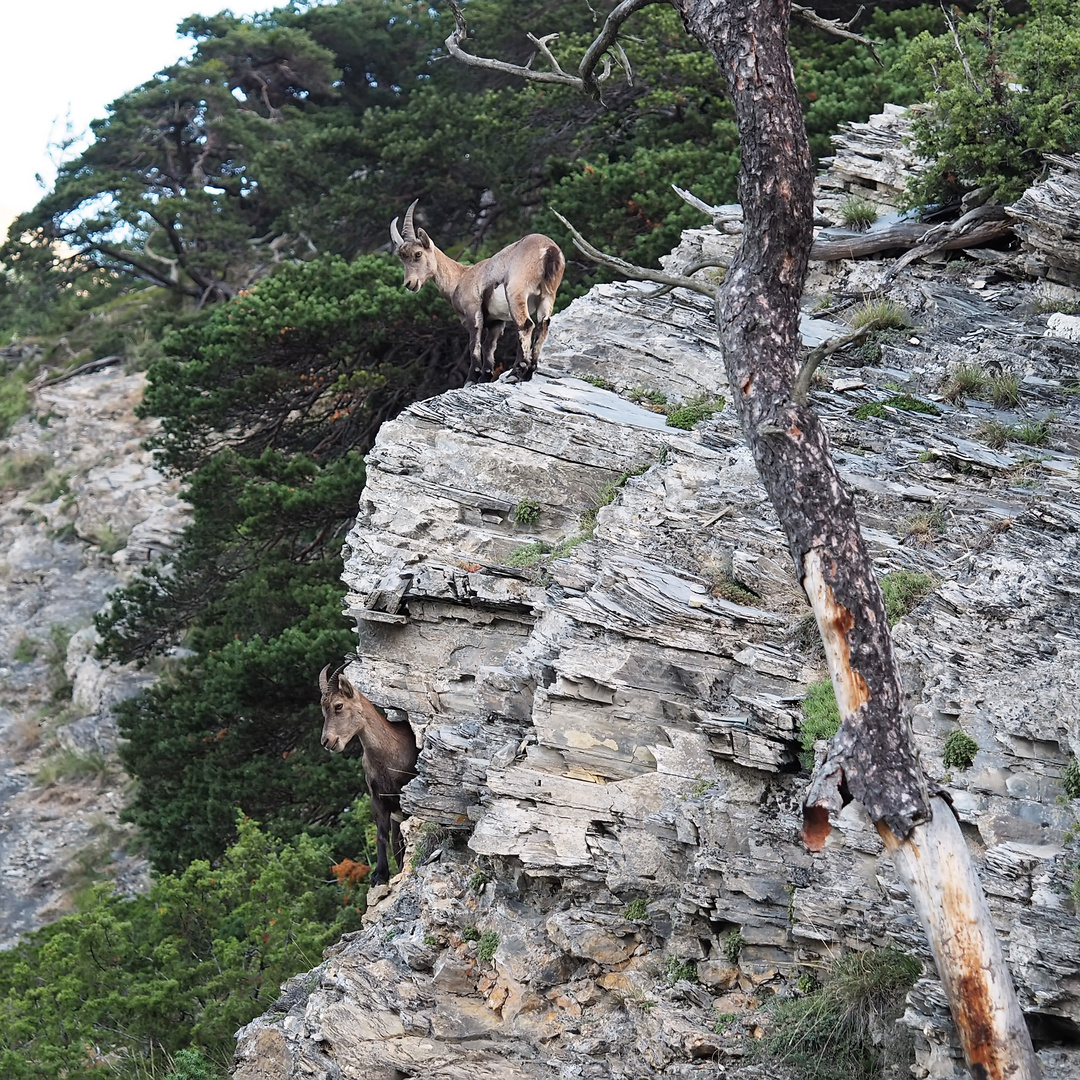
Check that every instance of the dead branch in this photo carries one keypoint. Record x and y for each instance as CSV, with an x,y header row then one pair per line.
x,y
801,387
599,53
639,273
837,28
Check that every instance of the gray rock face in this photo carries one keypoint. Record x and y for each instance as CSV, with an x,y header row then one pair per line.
x,y
82,507
613,729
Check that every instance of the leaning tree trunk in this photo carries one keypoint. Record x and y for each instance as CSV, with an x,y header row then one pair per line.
x,y
871,758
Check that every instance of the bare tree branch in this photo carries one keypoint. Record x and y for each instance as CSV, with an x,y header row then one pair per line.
x,y
640,273
587,79
801,387
837,28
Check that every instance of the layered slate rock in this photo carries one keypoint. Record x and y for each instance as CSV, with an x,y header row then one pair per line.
x,y
610,784
1048,216
82,507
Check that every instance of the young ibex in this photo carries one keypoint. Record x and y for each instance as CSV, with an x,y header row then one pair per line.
x,y
389,758
517,284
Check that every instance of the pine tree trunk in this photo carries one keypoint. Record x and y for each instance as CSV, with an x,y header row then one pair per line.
x,y
872,757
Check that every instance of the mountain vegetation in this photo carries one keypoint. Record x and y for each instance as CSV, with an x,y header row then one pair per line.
x,y
225,229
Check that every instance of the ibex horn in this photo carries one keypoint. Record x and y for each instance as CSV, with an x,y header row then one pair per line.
x,y
410,232
395,236
324,683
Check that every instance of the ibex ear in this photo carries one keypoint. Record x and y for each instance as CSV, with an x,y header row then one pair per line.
x,y
423,238
345,687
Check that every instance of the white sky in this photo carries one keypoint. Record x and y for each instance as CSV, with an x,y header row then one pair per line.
x,y
62,58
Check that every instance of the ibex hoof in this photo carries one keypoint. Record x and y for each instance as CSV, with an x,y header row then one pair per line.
x,y
509,377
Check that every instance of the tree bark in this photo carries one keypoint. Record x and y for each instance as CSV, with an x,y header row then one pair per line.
x,y
872,757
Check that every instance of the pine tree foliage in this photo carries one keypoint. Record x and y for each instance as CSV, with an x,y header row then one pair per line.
x,y
108,991
267,405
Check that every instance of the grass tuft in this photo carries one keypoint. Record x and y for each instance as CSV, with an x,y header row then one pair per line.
x,y
904,591
857,212
692,412
885,314
821,718
845,1030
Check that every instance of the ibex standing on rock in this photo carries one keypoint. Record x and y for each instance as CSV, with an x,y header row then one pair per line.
x,y
517,284
389,758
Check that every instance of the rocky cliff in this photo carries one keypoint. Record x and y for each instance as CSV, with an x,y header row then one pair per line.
x,y
81,507
591,620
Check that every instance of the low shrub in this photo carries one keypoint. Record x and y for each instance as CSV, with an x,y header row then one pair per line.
x,y
960,750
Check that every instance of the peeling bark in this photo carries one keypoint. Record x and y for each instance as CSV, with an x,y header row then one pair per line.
x,y
934,864
872,757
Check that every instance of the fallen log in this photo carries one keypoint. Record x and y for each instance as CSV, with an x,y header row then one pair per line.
x,y
910,236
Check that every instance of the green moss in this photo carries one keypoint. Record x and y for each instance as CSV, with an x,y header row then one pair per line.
x,y
869,409
911,404
960,750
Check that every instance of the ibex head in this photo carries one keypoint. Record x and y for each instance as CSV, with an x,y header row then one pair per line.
x,y
342,709
415,250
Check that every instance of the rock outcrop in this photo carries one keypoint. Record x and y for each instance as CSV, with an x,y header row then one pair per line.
x,y
592,620
81,507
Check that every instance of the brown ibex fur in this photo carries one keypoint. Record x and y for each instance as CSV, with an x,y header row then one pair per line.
x,y
389,758
517,284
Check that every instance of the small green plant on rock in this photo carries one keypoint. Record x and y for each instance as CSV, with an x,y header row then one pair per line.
x,y
486,946
528,555
478,880
654,399
526,512
21,471
966,380
925,528
470,933
723,1022
25,651
1005,391
960,750
678,970
1070,781
637,910
725,586
1032,432
430,838
598,381
733,945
